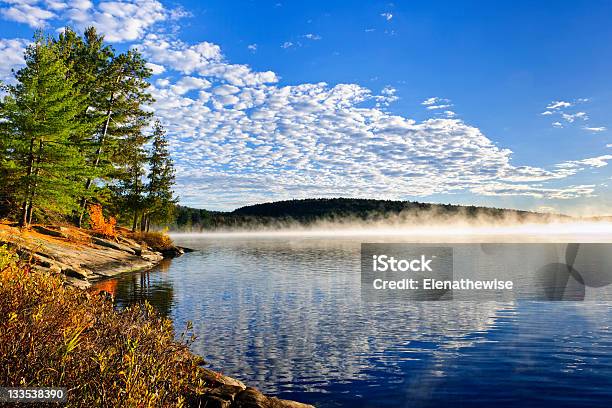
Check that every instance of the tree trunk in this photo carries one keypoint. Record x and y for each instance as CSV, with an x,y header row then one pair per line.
x,y
96,162
35,186
135,221
25,206
143,222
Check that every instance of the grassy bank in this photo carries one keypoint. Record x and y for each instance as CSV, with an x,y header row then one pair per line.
x,y
54,335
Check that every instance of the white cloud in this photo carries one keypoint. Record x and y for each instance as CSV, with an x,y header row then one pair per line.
x,y
557,124
433,107
120,20
595,129
572,117
27,12
266,141
558,105
314,37
11,56
435,100
245,143
252,47
189,83
238,137
545,113
609,145
599,161
388,16
435,103
204,59
287,44
155,68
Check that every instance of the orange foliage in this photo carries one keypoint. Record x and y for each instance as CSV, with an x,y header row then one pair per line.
x,y
99,224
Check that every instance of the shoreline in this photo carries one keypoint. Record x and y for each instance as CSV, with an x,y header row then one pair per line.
x,y
84,260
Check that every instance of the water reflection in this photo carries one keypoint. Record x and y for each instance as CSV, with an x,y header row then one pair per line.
x,y
153,285
287,316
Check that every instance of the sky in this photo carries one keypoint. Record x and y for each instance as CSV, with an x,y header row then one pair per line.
x,y
503,103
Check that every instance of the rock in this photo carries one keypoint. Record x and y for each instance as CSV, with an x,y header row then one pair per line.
x,y
229,396
222,396
49,231
132,244
76,272
152,256
78,283
252,398
55,269
112,245
210,401
215,377
172,252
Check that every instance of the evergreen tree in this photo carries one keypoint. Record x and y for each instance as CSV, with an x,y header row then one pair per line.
x,y
161,178
121,99
88,59
42,109
128,185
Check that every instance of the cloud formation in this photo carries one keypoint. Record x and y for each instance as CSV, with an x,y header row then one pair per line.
x,y
238,136
559,109
120,20
11,56
240,141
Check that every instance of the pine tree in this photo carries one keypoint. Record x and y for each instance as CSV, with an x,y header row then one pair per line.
x,y
88,59
128,180
119,141
161,178
43,109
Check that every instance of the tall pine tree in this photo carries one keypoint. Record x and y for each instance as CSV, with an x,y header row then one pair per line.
x,y
160,197
43,109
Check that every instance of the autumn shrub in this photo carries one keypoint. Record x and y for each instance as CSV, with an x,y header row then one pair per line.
x,y
157,241
53,335
99,225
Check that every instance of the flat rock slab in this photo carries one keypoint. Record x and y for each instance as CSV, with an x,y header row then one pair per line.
x,y
78,255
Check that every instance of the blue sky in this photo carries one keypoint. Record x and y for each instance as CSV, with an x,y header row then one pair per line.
x,y
491,103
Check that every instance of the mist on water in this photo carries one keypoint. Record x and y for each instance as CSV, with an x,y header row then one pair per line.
x,y
429,226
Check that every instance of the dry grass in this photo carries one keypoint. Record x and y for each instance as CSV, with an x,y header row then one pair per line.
x,y
157,241
52,335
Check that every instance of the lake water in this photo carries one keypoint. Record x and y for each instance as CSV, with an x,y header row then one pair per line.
x,y
285,314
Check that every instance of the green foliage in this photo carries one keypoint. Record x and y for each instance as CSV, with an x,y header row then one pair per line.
x,y
306,212
73,132
60,336
160,198
42,114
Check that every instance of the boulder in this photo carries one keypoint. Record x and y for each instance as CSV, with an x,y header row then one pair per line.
x,y
49,231
218,378
113,245
252,398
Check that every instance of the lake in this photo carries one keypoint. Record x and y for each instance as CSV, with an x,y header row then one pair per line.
x,y
284,313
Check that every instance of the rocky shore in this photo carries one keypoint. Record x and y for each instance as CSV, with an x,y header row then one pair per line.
x,y
81,256
85,258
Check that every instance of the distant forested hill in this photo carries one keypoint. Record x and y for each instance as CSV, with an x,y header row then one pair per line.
x,y
305,212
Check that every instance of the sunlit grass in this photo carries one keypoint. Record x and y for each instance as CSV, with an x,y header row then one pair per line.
x,y
52,335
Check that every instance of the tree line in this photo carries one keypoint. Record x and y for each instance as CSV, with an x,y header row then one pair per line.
x,y
305,212
76,129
